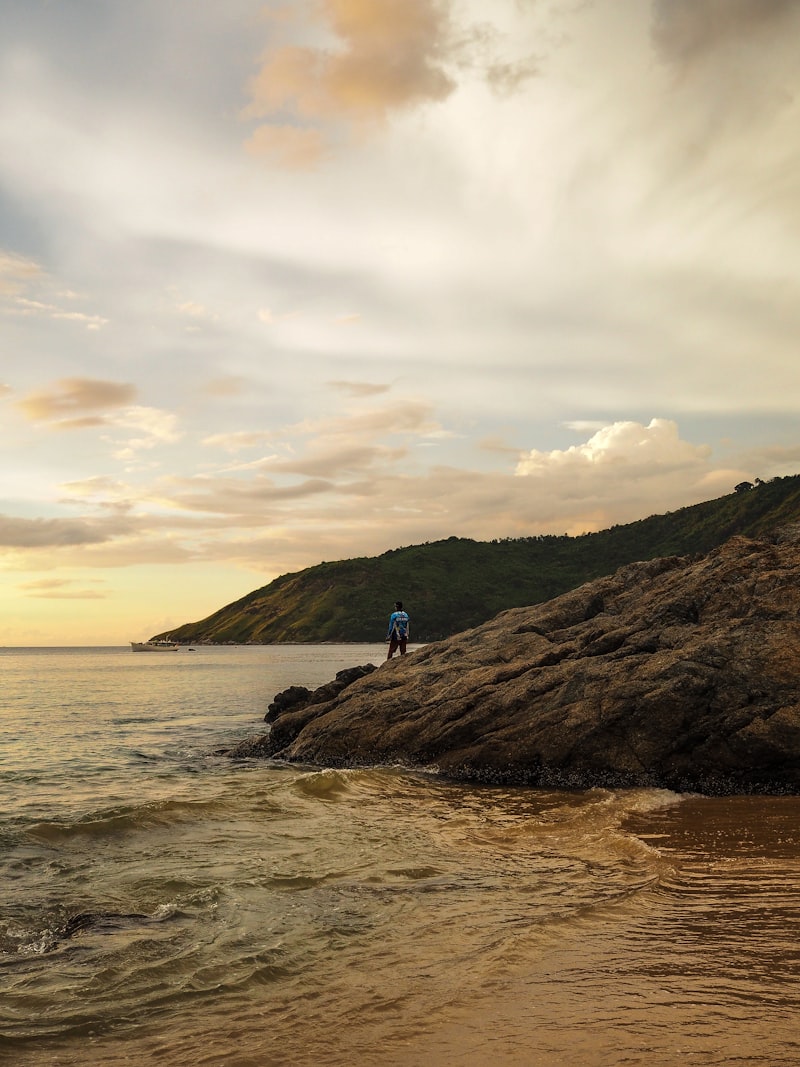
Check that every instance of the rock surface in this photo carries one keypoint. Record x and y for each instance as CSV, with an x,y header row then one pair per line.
x,y
298,696
681,673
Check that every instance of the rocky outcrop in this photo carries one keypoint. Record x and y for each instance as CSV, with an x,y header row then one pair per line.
x,y
679,672
298,696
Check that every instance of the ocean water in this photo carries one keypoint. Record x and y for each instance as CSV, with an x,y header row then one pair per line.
x,y
161,904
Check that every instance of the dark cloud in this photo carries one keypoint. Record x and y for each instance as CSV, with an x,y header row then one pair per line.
x,y
339,461
49,533
359,388
228,496
686,29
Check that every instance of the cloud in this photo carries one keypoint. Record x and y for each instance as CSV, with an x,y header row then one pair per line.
x,y
684,30
584,425
238,440
778,460
156,427
366,62
359,441
734,92
67,402
16,272
359,389
360,483
406,416
60,589
318,518
621,450
25,306
498,446
621,229
337,459
80,403
358,488
389,56
349,66
623,472
508,78
227,386
25,289
51,533
291,147
109,492
246,500
196,311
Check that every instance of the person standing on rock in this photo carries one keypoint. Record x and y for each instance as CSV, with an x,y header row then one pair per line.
x,y
399,626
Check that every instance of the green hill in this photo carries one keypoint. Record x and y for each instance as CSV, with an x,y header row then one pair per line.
x,y
452,585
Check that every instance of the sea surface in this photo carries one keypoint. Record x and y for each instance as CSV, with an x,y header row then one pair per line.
x,y
161,904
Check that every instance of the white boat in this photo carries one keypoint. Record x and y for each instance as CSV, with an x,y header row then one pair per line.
x,y
154,646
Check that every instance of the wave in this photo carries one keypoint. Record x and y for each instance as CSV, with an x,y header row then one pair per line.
x,y
51,932
570,852
326,784
34,930
127,818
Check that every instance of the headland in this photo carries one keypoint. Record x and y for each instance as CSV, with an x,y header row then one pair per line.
x,y
679,672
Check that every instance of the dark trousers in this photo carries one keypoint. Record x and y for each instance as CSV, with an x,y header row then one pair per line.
x,y
395,643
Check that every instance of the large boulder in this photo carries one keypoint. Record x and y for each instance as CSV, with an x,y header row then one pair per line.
x,y
679,672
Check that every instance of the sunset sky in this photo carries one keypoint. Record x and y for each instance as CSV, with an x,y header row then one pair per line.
x,y
290,282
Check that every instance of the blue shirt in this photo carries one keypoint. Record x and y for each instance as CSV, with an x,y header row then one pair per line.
x,y
398,624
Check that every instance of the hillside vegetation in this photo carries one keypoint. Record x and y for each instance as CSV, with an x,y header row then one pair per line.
x,y
453,585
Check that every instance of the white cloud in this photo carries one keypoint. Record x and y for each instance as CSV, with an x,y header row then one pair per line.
x,y
625,471
238,440
156,428
621,450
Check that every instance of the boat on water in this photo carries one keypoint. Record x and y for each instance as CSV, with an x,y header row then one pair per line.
x,y
154,646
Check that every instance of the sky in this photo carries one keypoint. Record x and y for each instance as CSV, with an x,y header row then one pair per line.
x,y
285,282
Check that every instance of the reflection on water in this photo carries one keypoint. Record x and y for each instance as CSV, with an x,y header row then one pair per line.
x,y
164,905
